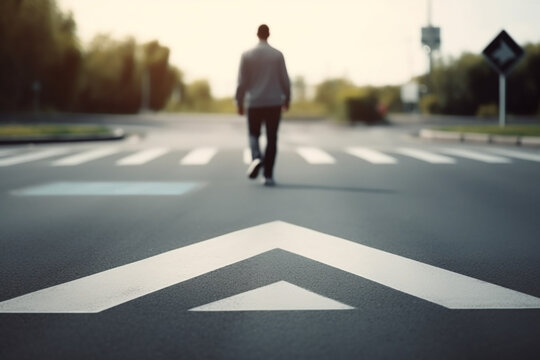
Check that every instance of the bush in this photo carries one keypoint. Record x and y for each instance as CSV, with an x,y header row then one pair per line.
x,y
487,110
429,104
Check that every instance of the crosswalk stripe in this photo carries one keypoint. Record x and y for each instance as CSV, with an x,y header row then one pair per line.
x,y
19,159
247,156
142,157
426,156
199,156
473,155
372,156
85,156
315,155
516,154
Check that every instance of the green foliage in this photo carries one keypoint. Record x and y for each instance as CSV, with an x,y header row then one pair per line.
x,y
199,96
41,59
332,94
113,72
344,100
487,110
110,80
429,104
305,110
162,77
7,131
37,44
513,130
464,86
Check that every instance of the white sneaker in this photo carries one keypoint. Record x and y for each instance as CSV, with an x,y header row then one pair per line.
x,y
253,169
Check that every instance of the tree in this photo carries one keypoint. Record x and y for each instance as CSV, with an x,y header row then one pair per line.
x,y
110,79
37,44
199,96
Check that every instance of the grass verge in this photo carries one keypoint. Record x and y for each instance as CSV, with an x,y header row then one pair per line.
x,y
512,130
15,131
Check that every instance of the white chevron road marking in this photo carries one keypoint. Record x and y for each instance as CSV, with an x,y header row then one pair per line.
x,y
113,287
279,296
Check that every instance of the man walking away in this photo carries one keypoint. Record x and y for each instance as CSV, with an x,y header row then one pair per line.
x,y
264,90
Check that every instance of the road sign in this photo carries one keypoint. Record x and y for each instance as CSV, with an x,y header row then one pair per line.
x,y
431,37
503,53
104,290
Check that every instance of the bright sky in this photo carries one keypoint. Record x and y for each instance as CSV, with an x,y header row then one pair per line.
x,y
369,41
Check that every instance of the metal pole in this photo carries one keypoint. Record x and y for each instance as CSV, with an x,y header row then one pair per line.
x,y
429,12
502,100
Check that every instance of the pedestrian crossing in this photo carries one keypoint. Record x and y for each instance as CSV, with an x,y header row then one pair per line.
x,y
371,156
201,156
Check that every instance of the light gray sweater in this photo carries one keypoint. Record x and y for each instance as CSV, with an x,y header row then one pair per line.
x,y
262,79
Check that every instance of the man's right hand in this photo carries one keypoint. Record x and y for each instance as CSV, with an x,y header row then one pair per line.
x,y
240,110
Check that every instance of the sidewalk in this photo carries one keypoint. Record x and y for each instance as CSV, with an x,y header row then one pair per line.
x,y
430,134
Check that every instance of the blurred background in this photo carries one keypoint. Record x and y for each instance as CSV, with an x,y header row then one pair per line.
x,y
128,56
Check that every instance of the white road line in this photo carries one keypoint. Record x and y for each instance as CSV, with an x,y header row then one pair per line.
x,y
315,155
473,155
142,157
118,285
19,159
517,154
6,152
279,296
372,156
426,156
199,156
246,156
85,157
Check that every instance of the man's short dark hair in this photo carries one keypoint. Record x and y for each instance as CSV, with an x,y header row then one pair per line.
x,y
263,32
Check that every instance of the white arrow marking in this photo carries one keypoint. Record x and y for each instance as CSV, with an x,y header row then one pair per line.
x,y
279,296
113,287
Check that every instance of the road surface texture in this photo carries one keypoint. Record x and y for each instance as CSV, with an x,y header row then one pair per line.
x,y
374,244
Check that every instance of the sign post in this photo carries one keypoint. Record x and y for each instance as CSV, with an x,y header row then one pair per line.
x,y
503,53
502,100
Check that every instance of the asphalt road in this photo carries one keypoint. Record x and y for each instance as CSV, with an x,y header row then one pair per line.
x,y
66,215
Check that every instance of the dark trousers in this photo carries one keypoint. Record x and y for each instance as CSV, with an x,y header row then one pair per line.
x,y
270,116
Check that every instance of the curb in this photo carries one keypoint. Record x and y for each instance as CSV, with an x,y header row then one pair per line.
x,y
117,134
430,134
